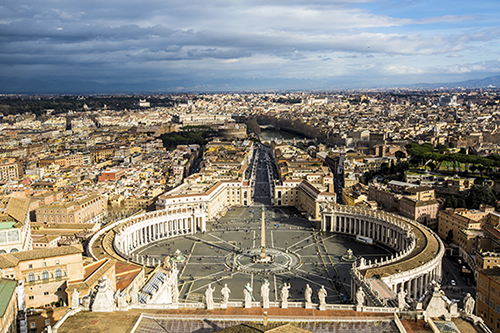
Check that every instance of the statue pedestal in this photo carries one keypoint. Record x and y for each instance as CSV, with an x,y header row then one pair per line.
x,y
360,308
210,306
284,305
322,307
248,304
309,305
223,305
174,305
265,304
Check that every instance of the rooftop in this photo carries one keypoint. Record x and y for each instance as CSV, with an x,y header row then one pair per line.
x,y
7,289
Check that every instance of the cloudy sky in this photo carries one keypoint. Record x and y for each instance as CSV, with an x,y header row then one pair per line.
x,y
190,44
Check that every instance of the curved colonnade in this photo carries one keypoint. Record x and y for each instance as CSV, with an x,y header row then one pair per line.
x,y
141,230
417,261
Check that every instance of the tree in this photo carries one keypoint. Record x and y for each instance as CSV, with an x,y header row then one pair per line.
x,y
479,195
400,155
441,148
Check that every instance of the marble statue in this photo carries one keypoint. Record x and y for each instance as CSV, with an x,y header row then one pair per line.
x,y
285,290
469,303
308,294
247,291
134,296
209,300
225,294
75,299
322,297
360,296
401,299
104,299
264,294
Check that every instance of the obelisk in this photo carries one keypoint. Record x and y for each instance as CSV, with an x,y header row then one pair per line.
x,y
263,236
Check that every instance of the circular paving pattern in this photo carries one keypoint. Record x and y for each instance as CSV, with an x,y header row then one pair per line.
x,y
279,262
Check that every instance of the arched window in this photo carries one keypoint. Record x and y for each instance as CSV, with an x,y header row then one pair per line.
x,y
45,275
58,273
2,251
31,277
14,250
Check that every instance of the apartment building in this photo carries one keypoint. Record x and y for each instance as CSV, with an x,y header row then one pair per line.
x,y
9,171
87,209
45,272
488,297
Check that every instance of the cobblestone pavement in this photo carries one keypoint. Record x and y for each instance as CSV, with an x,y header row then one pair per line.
x,y
210,256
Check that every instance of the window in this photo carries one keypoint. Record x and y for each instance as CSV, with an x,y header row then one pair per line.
x,y
45,275
31,297
47,321
31,277
58,273
44,264
32,324
492,304
45,293
30,266
492,289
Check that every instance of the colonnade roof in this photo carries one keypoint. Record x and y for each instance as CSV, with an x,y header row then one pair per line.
x,y
426,248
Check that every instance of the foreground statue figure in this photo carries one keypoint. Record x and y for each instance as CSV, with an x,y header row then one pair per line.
x,y
75,298
225,294
401,299
308,294
285,291
247,291
322,298
360,297
264,294
469,303
209,300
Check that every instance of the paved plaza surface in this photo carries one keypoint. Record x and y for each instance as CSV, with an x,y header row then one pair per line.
x,y
301,254
210,257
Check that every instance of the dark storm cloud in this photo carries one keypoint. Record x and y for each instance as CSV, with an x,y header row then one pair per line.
x,y
95,39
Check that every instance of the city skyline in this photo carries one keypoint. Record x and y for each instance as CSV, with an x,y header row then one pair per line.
x,y
226,45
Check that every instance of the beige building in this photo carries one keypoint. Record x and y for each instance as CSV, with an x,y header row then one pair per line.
x,y
9,171
15,230
45,272
452,221
45,241
214,197
303,195
488,297
87,209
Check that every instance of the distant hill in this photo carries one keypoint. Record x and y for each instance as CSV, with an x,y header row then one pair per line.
x,y
39,86
487,82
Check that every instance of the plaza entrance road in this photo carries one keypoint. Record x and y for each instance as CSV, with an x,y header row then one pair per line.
x,y
210,257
